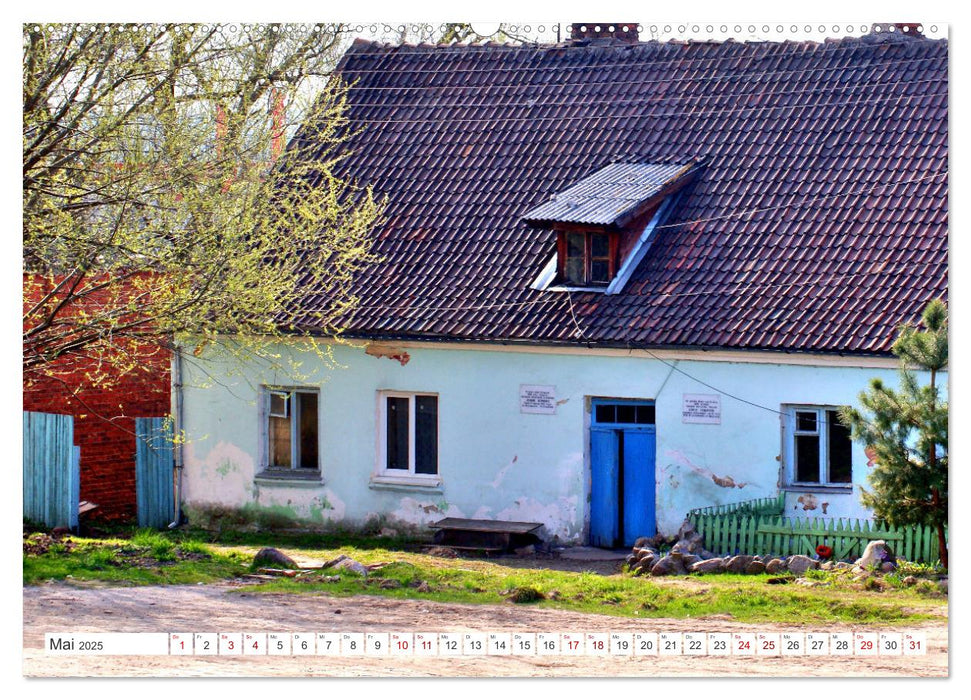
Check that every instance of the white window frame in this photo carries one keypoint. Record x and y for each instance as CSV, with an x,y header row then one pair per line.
x,y
294,416
790,431
383,475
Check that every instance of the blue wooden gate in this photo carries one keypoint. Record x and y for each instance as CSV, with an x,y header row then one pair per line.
x,y
52,470
154,469
622,486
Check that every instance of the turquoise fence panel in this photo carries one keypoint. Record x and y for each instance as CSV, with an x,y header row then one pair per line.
x,y
154,468
52,475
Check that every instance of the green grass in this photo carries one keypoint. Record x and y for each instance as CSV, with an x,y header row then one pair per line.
x,y
150,557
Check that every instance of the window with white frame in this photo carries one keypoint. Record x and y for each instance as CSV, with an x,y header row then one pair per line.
x,y
292,434
818,447
408,436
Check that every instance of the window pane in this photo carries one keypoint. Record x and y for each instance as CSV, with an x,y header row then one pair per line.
x,y
574,245
426,435
599,245
599,271
807,458
645,415
625,414
606,413
806,421
397,438
279,442
573,272
840,450
308,431
278,404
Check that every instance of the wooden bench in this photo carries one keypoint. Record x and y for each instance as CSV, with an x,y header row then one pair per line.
x,y
485,535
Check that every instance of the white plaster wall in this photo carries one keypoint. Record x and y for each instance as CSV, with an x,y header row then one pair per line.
x,y
496,462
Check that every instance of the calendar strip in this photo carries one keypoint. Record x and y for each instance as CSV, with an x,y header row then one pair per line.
x,y
406,644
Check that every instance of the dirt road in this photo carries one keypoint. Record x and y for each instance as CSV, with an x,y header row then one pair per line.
x,y
230,608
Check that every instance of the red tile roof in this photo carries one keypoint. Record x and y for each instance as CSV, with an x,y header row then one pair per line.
x,y
818,222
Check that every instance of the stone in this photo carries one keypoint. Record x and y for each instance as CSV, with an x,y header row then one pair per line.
x,y
689,560
738,563
646,564
349,564
708,566
670,565
826,565
876,553
641,542
887,566
423,587
630,560
755,567
842,566
909,580
705,554
686,530
271,558
641,552
942,584
775,566
800,564
388,532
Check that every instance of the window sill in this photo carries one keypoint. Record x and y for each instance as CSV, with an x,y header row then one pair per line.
x,y
821,488
397,483
567,288
289,478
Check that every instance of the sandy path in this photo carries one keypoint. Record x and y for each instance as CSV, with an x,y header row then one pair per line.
x,y
229,608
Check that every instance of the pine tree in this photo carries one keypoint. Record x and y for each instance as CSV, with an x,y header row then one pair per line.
x,y
906,430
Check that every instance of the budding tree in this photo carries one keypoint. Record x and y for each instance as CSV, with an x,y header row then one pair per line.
x,y
159,200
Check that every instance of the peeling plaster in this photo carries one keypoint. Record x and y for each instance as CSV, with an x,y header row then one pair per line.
x,y
825,505
560,517
808,501
681,459
389,351
234,467
501,474
415,512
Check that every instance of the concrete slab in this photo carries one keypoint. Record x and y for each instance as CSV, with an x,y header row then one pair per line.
x,y
593,554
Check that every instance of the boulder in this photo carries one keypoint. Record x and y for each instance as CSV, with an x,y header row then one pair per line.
x,y
672,564
842,566
351,565
271,558
775,566
800,563
875,555
738,563
909,580
755,567
642,542
641,552
708,566
826,565
690,560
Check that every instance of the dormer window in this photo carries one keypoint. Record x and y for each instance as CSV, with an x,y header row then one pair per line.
x,y
604,224
586,258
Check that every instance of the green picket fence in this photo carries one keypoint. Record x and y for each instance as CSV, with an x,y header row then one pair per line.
x,y
774,505
772,535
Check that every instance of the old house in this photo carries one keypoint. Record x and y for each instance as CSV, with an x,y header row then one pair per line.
x,y
619,280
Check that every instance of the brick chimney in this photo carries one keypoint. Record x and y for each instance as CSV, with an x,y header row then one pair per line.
x,y
625,32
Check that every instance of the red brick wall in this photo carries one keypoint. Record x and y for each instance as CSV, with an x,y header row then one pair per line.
x,y
104,422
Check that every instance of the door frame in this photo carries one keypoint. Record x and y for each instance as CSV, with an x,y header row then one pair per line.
x,y
592,426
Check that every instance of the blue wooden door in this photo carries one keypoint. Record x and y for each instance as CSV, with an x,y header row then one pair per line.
x,y
639,484
153,472
604,484
622,483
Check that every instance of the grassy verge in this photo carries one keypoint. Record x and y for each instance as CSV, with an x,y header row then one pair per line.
x,y
146,558
176,558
